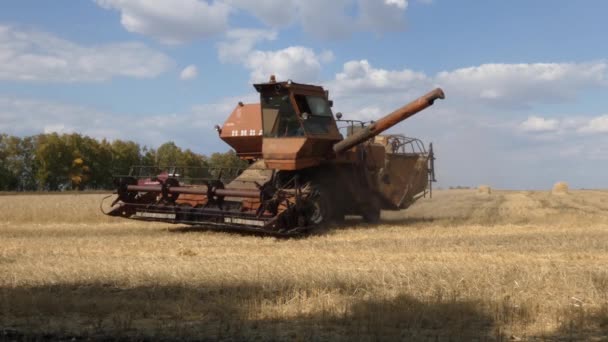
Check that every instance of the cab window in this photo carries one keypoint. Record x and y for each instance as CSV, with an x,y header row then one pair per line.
x,y
279,118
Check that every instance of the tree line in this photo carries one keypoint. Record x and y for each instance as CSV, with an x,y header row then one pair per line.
x,y
54,161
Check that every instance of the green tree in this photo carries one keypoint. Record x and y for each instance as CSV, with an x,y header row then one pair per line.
x,y
168,154
8,181
8,167
194,165
225,165
28,165
17,163
82,150
101,165
227,160
125,154
148,156
54,161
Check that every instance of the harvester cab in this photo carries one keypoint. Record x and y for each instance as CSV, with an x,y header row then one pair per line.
x,y
291,128
302,173
298,125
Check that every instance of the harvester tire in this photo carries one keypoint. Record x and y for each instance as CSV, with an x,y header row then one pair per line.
x,y
320,207
338,215
371,212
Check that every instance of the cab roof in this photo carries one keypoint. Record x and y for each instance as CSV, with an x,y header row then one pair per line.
x,y
288,85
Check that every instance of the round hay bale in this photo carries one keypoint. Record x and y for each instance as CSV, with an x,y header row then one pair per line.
x,y
560,188
484,190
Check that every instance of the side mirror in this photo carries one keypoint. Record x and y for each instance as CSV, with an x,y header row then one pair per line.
x,y
218,129
338,115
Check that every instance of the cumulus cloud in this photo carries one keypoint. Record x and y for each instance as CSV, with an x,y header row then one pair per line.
x,y
274,13
397,3
299,63
596,125
189,73
26,117
572,125
180,21
359,77
326,19
39,56
239,43
377,16
497,85
521,85
539,124
329,19
171,22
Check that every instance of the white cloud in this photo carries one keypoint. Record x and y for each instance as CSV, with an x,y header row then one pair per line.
x,y
39,56
359,77
171,22
497,85
378,16
26,117
570,126
274,13
539,124
240,42
596,125
180,21
189,73
302,64
299,63
367,113
402,4
522,85
326,19
326,56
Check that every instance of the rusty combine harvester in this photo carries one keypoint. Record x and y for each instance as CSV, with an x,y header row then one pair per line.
x,y
302,172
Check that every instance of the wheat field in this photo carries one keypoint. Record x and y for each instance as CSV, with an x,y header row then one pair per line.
x,y
464,265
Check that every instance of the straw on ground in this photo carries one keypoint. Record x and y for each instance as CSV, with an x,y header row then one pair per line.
x,y
458,266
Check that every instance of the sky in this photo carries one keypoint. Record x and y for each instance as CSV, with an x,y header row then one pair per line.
x,y
526,81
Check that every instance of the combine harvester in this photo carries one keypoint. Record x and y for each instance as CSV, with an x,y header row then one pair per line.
x,y
302,172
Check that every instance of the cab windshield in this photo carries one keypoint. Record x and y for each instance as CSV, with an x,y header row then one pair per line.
x,y
315,113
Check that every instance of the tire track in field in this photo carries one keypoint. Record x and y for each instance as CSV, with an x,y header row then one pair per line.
x,y
461,207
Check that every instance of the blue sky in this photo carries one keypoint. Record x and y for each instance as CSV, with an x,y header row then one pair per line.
x,y
526,80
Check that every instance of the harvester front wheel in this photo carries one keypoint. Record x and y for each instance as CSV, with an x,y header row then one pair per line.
x,y
319,207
